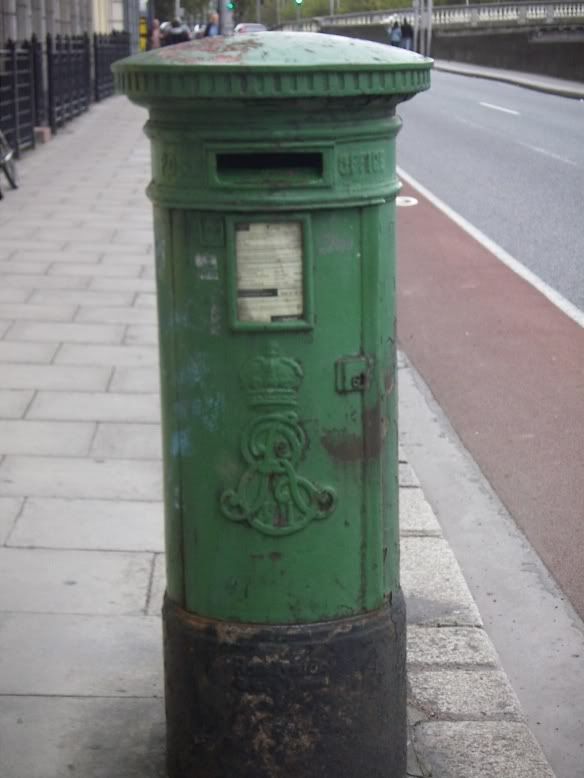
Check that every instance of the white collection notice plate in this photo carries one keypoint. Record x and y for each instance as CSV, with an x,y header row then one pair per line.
x,y
269,271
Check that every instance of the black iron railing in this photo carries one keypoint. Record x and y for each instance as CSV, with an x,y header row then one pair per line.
x,y
69,78
17,95
52,84
107,49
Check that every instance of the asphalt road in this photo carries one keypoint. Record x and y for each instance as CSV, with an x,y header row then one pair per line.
x,y
505,365
511,161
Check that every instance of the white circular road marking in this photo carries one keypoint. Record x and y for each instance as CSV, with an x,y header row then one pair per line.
x,y
405,202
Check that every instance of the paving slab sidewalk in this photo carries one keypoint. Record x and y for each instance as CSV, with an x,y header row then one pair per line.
x,y
81,540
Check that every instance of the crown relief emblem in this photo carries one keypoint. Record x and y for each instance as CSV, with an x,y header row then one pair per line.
x,y
272,380
271,496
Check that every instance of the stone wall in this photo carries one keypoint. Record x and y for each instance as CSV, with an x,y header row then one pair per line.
x,y
549,52
552,52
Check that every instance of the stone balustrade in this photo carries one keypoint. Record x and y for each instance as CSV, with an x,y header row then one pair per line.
x,y
444,16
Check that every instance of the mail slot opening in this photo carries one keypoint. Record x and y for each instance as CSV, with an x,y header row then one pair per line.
x,y
286,167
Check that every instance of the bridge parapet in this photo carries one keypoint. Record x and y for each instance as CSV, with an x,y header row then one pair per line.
x,y
451,16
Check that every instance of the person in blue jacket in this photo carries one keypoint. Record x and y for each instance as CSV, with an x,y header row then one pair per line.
x,y
395,34
212,27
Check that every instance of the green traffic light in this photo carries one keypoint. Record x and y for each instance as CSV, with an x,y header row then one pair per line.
x,y
298,2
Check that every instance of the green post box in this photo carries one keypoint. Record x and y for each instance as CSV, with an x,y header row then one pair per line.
x,y
273,186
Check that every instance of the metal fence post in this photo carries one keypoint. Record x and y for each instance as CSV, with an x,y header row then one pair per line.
x,y
96,59
39,86
31,112
51,83
87,71
59,85
12,65
68,79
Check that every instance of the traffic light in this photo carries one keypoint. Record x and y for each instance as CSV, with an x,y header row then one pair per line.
x,y
298,2
231,5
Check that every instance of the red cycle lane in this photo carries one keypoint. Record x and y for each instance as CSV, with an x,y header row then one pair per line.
x,y
507,367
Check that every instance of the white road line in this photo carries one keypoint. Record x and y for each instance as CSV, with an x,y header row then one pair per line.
x,y
547,153
500,108
499,134
513,264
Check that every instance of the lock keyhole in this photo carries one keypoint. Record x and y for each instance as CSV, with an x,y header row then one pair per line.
x,y
352,374
359,381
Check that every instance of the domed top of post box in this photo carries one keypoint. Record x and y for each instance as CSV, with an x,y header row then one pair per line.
x,y
270,65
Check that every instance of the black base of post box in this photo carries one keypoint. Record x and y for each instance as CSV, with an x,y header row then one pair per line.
x,y
325,700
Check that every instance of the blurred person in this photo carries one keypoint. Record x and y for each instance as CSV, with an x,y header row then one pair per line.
x,y
155,35
164,28
407,35
212,27
395,34
176,33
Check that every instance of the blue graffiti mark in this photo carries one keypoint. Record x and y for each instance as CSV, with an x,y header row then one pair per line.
x,y
204,411
180,444
208,411
180,319
180,410
195,371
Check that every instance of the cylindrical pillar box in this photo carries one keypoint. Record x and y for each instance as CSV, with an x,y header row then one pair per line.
x,y
273,187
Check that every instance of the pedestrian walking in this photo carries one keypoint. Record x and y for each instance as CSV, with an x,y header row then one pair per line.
x,y
395,34
407,35
177,33
155,38
212,27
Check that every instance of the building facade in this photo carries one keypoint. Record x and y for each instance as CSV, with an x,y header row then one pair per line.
x,y
19,19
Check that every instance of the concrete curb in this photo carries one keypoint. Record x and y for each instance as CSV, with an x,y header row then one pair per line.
x,y
465,719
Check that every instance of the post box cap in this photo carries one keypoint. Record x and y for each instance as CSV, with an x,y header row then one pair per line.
x,y
268,65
